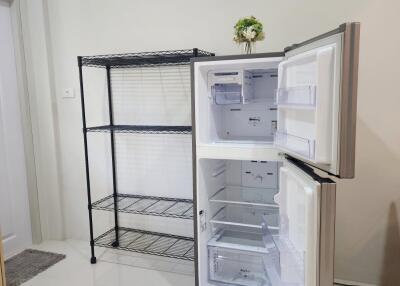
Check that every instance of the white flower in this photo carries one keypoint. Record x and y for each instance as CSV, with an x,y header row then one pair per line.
x,y
249,33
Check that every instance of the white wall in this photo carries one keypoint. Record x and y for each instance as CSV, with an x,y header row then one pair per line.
x,y
36,59
15,224
368,236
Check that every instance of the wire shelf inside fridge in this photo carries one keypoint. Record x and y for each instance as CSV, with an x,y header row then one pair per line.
x,y
147,205
148,242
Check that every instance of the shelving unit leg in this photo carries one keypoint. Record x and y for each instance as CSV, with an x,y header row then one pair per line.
x,y
115,191
93,257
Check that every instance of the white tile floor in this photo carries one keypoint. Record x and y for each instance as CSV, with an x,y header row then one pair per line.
x,y
112,269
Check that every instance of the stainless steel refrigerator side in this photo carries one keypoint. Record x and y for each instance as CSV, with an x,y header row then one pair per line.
x,y
348,99
194,168
327,234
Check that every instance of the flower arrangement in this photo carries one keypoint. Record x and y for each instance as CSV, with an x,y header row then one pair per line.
x,y
248,30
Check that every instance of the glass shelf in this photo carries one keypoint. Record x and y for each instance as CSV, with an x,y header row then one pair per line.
x,y
245,196
247,217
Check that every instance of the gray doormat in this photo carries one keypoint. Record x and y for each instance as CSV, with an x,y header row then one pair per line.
x,y
29,263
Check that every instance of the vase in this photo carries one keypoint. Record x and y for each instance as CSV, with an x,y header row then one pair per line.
x,y
249,47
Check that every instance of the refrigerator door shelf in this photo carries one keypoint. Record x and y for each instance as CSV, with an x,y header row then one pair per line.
x,y
296,97
301,146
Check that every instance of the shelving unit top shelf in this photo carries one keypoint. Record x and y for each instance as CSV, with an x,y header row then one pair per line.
x,y
161,58
142,129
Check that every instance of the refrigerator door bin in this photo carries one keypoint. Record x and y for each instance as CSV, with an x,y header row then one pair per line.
x,y
302,146
245,216
297,96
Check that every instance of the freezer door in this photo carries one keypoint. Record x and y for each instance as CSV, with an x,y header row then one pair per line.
x,y
306,236
316,101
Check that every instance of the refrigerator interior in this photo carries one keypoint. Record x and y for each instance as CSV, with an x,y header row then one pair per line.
x,y
291,102
237,101
255,226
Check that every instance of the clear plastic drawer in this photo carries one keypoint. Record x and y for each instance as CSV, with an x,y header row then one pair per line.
x,y
302,146
227,93
236,267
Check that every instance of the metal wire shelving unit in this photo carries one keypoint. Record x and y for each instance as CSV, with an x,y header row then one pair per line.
x,y
142,241
142,129
149,242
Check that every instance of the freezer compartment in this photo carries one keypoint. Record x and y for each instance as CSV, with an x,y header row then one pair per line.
x,y
245,196
239,108
248,217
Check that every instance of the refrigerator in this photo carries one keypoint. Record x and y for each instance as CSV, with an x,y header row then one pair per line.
x,y
272,133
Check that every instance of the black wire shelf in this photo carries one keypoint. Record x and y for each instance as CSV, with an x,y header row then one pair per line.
x,y
177,57
148,242
147,205
142,129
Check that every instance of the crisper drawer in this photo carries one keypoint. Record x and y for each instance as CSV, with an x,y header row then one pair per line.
x,y
254,258
236,267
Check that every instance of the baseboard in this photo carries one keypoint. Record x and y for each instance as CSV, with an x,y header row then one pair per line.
x,y
352,283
